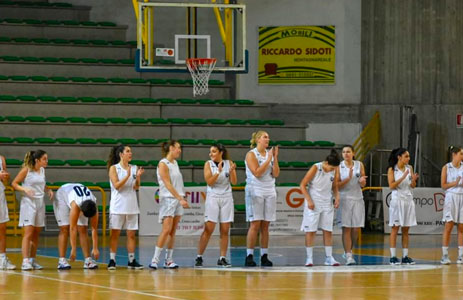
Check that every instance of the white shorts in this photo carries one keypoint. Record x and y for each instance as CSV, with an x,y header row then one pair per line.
x,y
353,213
453,208
260,204
3,208
402,212
318,218
219,207
30,216
62,212
170,207
123,221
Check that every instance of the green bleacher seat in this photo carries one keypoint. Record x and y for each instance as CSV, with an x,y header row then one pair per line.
x,y
107,24
244,102
206,101
272,143
69,141
324,143
157,81
158,121
138,80
71,23
127,141
50,59
286,143
87,183
24,140
216,121
38,78
298,164
167,101
177,121
2,77
36,119
126,61
13,162
77,120
227,142
10,58
97,120
103,184
22,40
98,79
153,163
96,162
89,23
107,141
236,122
207,141
244,142
57,119
19,78
240,163
88,99
107,61
127,100
197,163
305,143
176,81
240,207
68,99
79,79
87,141
15,118
70,60
118,80
131,43
80,42
288,184
56,162
13,21
45,140
6,140
5,39
256,122
275,122
186,101
137,120
47,98
216,82
183,163
107,99
283,164
118,43
76,162
59,79
60,41
118,120
99,42
225,102
188,142
30,59
197,121
41,41
140,163
2,119
190,184
52,22
27,98
149,184
148,141
7,98
59,183
148,100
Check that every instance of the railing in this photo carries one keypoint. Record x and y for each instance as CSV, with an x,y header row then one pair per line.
x,y
368,138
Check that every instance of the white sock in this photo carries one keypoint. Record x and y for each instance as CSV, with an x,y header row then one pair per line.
x,y
393,252
445,250
222,257
199,255
2,255
88,259
169,253
62,259
26,260
329,251
112,255
309,251
131,257
249,252
460,251
404,252
348,254
157,254
263,251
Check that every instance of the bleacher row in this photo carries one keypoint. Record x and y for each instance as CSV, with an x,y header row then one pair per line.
x,y
57,22
62,41
35,4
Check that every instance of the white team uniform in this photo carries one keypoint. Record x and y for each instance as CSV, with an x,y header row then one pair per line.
x,y
32,210
351,196
219,199
321,191
260,193
66,194
402,207
3,205
123,208
453,206
170,206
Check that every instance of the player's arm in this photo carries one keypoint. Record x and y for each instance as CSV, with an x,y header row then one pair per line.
x,y
276,166
4,175
303,185
138,173
165,176
253,164
115,180
19,179
73,217
94,225
335,188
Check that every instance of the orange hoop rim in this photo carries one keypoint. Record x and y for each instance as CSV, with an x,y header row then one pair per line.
x,y
200,61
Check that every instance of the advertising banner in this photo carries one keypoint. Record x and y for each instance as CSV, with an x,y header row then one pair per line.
x,y
297,55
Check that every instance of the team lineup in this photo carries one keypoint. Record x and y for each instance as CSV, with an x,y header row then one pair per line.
x,y
328,185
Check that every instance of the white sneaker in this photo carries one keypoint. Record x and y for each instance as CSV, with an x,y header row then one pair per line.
x,y
90,264
5,264
27,266
460,260
309,262
35,265
330,261
63,265
170,265
153,265
350,261
445,260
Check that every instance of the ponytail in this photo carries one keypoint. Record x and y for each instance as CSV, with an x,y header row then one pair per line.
x,y
31,156
222,149
392,161
165,147
255,136
333,158
115,155
452,151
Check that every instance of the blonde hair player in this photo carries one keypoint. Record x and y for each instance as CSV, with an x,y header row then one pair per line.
x,y
351,181
124,180
219,173
260,195
452,183
74,205
172,200
5,263
322,183
402,213
32,210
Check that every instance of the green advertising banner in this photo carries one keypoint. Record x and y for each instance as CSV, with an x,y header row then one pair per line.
x,y
297,55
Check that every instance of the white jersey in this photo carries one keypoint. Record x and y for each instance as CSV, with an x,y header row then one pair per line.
x,y
352,189
74,192
124,200
2,187
403,190
36,182
176,179
222,185
321,186
266,181
452,174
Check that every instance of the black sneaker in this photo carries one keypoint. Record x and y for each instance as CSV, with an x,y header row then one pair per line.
x,y
265,262
407,261
222,262
134,265
199,262
249,262
112,264
394,261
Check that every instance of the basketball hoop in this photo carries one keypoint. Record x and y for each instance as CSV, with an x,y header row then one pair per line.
x,y
200,69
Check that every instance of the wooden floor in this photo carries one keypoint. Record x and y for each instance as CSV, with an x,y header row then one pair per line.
x,y
374,279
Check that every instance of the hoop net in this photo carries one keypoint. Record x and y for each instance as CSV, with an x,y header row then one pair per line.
x,y
200,69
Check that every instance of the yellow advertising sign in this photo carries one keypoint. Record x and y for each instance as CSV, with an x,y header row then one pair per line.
x,y
297,55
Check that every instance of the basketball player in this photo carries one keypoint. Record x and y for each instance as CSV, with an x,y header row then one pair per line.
x,y
5,263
